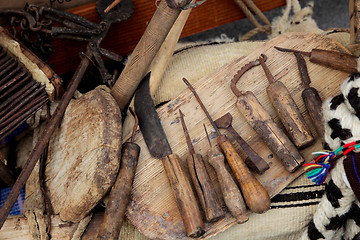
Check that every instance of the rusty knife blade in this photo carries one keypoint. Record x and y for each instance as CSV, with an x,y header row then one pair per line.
x,y
149,121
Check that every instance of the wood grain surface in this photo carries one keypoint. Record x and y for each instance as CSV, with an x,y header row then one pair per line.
x,y
153,209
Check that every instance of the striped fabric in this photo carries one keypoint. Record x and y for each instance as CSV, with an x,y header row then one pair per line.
x,y
19,204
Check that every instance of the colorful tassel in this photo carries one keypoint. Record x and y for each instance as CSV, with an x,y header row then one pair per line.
x,y
319,170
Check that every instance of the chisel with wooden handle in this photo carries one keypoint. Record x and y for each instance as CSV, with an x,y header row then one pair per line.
x,y
255,195
119,196
287,110
261,121
201,180
231,193
336,60
156,141
311,97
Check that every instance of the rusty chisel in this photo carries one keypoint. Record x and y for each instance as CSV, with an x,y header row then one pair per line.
x,y
156,141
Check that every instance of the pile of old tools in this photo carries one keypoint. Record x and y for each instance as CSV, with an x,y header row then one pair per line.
x,y
251,194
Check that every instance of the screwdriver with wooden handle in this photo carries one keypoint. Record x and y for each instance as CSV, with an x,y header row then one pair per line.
x,y
287,110
255,195
120,193
201,180
231,193
336,60
261,121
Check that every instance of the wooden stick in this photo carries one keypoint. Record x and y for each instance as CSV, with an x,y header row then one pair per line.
x,y
144,52
354,13
159,64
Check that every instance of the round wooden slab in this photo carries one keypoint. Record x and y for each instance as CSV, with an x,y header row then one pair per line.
x,y
84,155
153,209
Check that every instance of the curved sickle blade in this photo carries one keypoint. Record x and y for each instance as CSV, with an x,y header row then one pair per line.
x,y
149,122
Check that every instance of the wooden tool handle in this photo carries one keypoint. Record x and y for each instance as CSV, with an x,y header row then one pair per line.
x,y
184,196
119,197
231,193
290,115
255,195
253,160
336,60
313,105
144,52
261,121
204,188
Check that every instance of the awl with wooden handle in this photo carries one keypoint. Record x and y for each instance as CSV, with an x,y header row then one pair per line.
x,y
287,110
311,97
120,193
253,160
231,193
336,60
201,180
255,195
156,141
261,121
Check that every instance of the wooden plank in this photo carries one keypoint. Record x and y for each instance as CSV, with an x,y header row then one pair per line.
x,y
153,208
123,37
354,13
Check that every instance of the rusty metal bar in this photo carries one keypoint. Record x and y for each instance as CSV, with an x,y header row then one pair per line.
x,y
44,139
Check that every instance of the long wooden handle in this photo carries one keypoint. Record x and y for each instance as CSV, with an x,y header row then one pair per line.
x,y
253,160
184,196
119,197
290,115
144,52
261,121
255,195
159,64
313,105
231,193
204,188
336,60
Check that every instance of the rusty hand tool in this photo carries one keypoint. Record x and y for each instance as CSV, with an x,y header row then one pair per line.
x,y
231,193
336,60
255,195
287,110
52,124
261,121
310,96
201,180
119,196
156,141
253,160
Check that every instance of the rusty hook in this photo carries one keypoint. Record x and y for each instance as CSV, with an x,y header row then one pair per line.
x,y
242,71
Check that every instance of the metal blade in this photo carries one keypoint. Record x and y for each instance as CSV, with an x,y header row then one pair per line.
x,y
149,122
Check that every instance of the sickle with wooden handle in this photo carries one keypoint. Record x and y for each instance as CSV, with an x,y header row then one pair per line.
x,y
261,121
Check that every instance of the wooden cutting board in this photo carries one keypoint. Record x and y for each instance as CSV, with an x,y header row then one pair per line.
x,y
153,209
